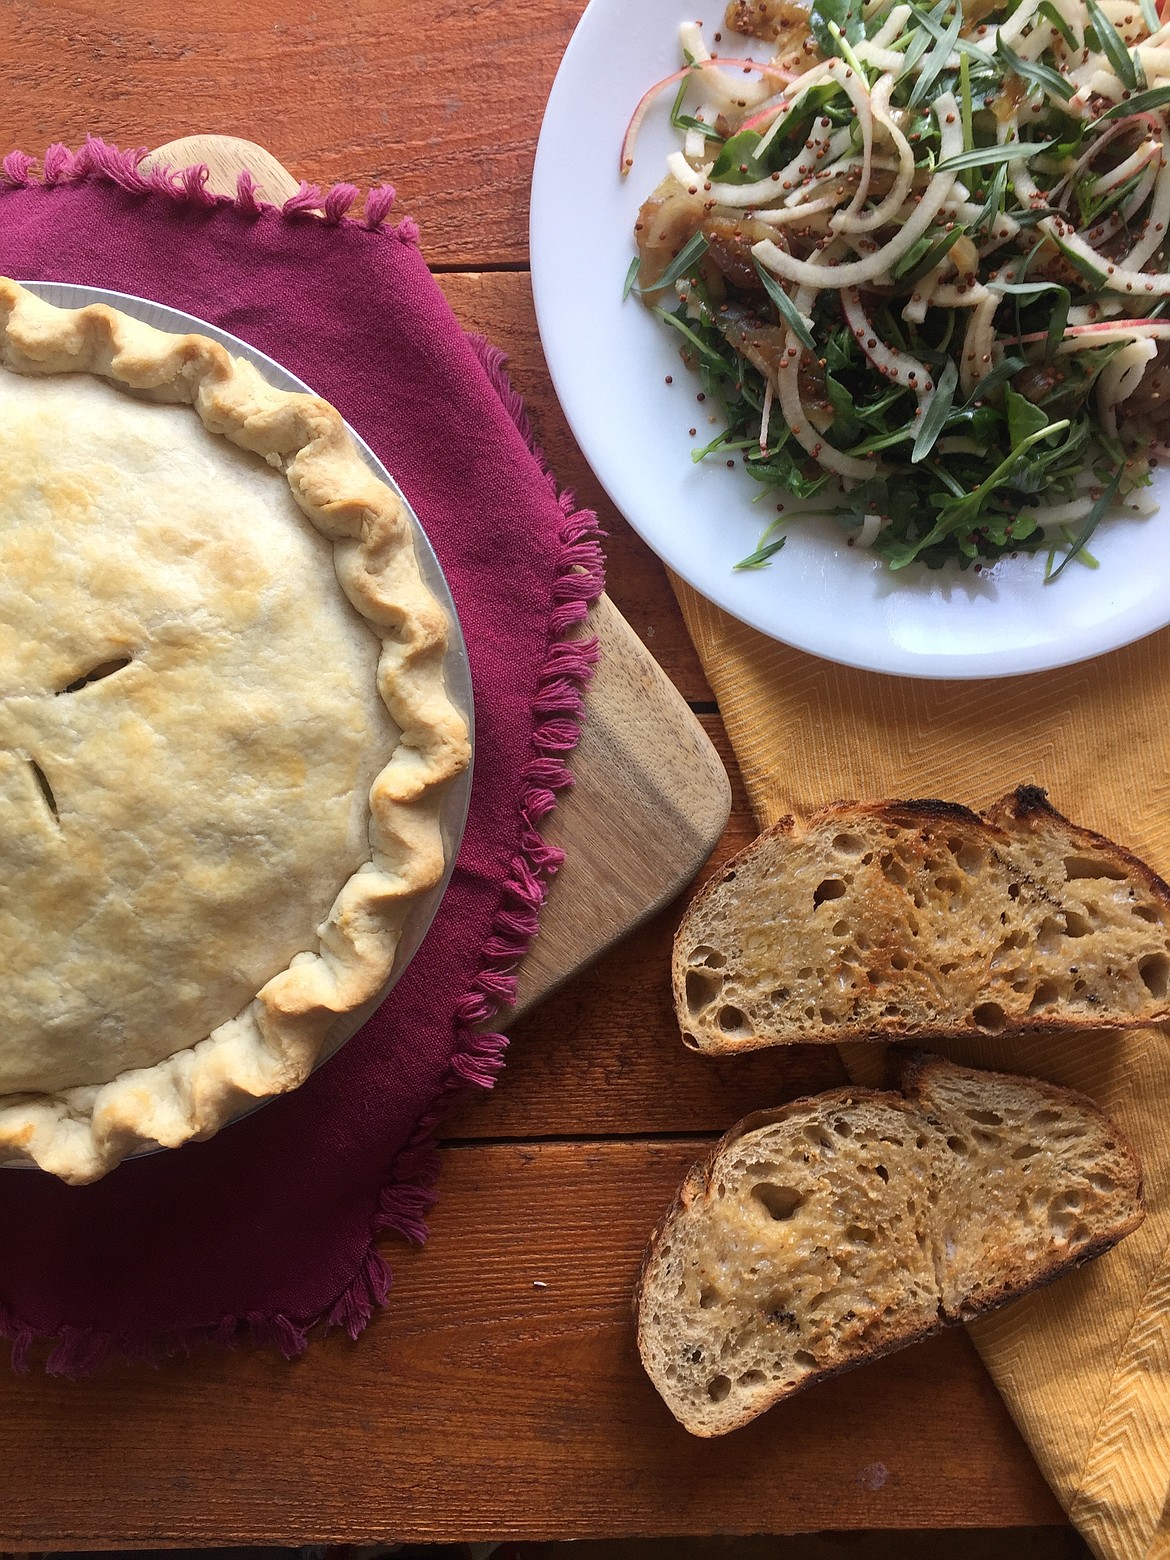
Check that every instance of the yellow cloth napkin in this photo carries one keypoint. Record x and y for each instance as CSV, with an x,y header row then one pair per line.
x,y
1084,1366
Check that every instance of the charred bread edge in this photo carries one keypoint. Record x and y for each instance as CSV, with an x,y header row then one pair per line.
x,y
1024,802
908,1067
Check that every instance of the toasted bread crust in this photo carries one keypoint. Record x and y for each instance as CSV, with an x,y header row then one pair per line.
x,y
869,979
918,1074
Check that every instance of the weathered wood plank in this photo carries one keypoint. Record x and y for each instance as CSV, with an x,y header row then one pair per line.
x,y
603,1055
442,100
479,1405
498,305
476,1405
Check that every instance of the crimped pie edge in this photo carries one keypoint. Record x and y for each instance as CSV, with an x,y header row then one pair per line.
x,y
269,1048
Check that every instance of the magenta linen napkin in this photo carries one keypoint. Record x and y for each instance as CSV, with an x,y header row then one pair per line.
x,y
271,1227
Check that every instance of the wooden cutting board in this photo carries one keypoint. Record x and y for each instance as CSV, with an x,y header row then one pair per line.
x,y
651,796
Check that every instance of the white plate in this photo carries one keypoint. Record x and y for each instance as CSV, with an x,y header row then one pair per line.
x,y
609,361
456,667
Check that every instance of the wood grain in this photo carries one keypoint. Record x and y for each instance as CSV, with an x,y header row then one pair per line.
x,y
481,1405
441,99
498,304
476,1404
603,1057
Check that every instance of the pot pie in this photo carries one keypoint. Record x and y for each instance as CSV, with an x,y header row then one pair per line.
x,y
224,735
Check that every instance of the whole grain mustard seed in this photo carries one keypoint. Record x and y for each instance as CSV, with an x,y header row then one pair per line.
x,y
807,390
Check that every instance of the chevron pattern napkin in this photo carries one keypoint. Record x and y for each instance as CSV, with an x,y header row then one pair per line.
x,y
1085,1365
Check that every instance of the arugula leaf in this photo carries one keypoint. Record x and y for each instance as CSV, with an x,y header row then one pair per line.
x,y
1023,419
936,414
1090,523
789,313
1034,73
839,352
1050,14
991,156
737,162
960,514
1113,45
846,14
1141,103
846,424
694,249
918,261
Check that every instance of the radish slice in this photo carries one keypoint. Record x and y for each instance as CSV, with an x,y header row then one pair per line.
x,y
1159,215
692,43
950,295
798,172
881,59
833,165
1102,83
644,102
891,29
1136,503
788,384
695,142
787,214
857,91
1116,278
811,78
898,366
887,208
682,172
849,275
1083,338
978,355
1120,378
1011,30
1145,153
921,299
871,528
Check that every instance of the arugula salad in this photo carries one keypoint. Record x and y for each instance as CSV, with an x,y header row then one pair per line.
x,y
916,254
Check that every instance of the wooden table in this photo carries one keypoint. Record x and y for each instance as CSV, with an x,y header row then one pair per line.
x,y
499,1394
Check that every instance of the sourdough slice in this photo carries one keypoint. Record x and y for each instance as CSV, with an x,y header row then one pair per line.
x,y
841,1227
902,920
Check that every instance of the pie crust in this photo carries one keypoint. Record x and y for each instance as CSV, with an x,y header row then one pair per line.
x,y
225,735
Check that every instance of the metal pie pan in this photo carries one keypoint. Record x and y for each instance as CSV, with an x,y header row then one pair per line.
x,y
457,669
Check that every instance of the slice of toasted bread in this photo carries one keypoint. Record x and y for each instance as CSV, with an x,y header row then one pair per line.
x,y
902,920
844,1226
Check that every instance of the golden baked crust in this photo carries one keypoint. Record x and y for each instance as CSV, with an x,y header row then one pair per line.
x,y
220,775
845,1225
905,920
